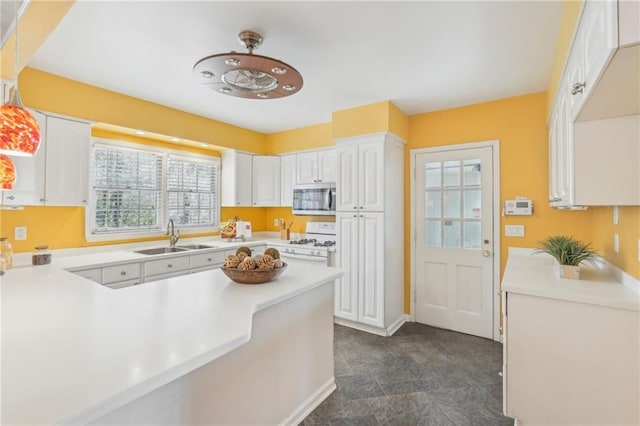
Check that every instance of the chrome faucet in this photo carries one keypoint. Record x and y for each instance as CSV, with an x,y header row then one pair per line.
x,y
174,235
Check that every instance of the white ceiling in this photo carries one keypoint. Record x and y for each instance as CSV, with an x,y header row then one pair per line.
x,y
423,56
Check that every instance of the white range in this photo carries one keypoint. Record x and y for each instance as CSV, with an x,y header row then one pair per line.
x,y
318,245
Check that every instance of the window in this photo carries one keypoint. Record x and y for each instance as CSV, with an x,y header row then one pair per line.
x,y
135,191
191,188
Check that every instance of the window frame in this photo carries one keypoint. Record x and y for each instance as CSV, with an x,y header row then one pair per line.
x,y
91,236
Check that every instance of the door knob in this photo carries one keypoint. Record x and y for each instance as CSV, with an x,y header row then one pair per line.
x,y
486,253
486,241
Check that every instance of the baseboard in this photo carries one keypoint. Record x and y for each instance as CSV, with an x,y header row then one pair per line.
x,y
385,332
311,403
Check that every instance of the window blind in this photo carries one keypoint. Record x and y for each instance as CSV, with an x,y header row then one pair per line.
x,y
127,189
191,191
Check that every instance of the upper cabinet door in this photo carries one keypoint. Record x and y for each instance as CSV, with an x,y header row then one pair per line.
x,y
371,176
599,38
347,177
67,162
266,180
29,187
327,165
236,179
287,179
307,167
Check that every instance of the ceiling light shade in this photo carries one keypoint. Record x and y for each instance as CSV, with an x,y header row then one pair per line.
x,y
7,173
245,75
20,130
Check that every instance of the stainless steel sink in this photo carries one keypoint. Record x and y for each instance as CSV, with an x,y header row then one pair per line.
x,y
195,246
161,250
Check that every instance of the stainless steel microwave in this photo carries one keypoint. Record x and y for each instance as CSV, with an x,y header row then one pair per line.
x,y
315,199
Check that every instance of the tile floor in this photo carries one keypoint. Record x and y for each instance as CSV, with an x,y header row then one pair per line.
x,y
419,376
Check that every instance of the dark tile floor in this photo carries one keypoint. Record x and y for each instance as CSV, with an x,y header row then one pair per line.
x,y
419,376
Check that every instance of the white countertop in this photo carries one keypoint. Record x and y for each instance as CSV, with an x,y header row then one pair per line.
x,y
73,350
536,275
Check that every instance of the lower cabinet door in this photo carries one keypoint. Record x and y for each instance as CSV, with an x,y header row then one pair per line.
x,y
371,269
346,288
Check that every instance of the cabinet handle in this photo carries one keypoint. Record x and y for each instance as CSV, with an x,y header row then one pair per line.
x,y
169,266
84,201
238,203
556,199
208,259
355,215
361,208
123,272
578,88
354,207
43,200
361,215
11,197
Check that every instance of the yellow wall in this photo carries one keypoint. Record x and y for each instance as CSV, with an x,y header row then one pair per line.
x,y
51,93
378,117
570,16
310,137
628,230
519,124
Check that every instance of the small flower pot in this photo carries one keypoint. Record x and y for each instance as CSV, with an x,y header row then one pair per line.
x,y
569,272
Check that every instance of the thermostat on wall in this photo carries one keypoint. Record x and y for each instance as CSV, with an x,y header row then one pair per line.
x,y
519,207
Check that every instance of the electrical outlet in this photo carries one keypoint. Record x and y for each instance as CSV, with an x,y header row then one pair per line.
x,y
616,215
616,243
20,233
276,222
514,230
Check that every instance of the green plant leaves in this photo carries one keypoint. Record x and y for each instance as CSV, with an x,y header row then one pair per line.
x,y
568,250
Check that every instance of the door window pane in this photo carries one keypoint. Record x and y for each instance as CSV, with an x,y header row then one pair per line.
x,y
433,174
451,233
452,204
471,235
472,204
433,229
433,207
451,174
472,175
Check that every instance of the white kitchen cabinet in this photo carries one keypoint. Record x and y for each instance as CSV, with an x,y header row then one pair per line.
x,y
361,176
287,179
360,292
236,179
203,261
585,156
157,269
67,162
316,166
571,347
118,273
369,222
266,180
29,187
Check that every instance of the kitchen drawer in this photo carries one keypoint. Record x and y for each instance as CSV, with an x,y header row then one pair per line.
x,y
114,274
155,278
166,266
211,259
123,284
94,274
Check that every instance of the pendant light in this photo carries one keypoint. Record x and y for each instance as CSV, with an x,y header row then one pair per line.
x,y
20,130
7,173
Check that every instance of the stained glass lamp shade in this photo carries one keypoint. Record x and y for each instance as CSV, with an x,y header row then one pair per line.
x,y
20,131
7,173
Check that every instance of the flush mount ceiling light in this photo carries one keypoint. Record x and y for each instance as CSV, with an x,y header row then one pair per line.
x,y
246,75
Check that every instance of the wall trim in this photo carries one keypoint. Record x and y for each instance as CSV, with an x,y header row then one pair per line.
x,y
386,136
311,403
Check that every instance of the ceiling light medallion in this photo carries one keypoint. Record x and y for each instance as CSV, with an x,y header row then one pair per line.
x,y
245,75
7,173
20,130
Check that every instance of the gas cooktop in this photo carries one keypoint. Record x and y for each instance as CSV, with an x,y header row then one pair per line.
x,y
313,242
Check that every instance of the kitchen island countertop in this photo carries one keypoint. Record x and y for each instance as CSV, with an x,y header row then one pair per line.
x,y
73,350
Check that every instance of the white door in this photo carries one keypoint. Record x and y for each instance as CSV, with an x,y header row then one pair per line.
x,y
346,177
327,165
346,288
371,268
67,162
454,240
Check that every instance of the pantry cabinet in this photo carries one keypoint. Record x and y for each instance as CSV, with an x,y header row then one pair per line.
x,y
316,166
58,174
266,181
287,179
236,179
369,222
360,238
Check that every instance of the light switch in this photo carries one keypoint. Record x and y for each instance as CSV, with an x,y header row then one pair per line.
x,y
616,243
20,233
514,230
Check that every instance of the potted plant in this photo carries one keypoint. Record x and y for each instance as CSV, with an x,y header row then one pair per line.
x,y
569,253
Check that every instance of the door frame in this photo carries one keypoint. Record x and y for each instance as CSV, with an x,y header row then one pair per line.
x,y
495,145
